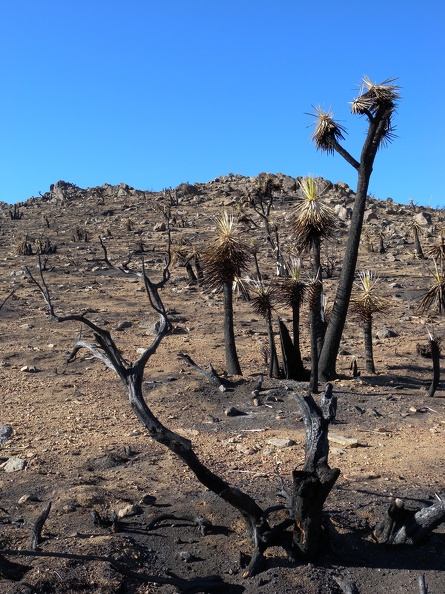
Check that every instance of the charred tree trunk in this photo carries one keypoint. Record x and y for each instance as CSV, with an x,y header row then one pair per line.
x,y
198,266
274,370
313,484
299,367
293,366
191,275
417,246
435,355
233,366
369,356
313,382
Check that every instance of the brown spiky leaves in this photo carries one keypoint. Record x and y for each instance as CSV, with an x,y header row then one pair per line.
x,y
365,303
435,296
374,96
313,218
327,131
378,98
228,256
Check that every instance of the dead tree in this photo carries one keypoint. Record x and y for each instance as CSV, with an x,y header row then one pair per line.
x,y
15,214
131,374
261,202
313,484
6,298
299,533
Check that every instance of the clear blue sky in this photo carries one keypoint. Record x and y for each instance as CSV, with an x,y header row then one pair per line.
x,y
157,92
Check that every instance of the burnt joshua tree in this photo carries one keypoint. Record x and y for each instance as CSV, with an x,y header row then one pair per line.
x,y
435,295
224,261
434,348
290,293
313,220
261,302
416,229
365,304
377,103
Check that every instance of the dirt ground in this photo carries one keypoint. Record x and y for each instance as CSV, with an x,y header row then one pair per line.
x,y
83,449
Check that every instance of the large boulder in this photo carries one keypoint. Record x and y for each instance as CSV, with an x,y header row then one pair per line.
x,y
423,219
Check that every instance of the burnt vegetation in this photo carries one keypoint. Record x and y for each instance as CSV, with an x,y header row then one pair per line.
x,y
266,237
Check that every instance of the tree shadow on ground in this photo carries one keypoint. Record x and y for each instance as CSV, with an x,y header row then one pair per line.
x,y
354,549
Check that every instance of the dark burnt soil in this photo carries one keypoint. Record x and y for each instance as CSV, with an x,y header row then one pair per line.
x,y
85,451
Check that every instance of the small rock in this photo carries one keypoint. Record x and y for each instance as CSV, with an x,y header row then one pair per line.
x,y
28,369
147,499
128,511
346,442
123,325
187,557
69,508
336,451
385,333
14,464
5,433
233,412
281,442
245,450
209,420
27,498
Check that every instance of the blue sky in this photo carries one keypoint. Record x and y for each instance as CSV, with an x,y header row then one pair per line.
x,y
157,92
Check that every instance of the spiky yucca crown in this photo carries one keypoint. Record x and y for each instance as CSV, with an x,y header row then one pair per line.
x,y
365,302
326,130
290,292
437,250
436,292
227,257
262,297
312,216
372,97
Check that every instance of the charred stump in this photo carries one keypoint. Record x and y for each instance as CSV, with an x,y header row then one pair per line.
x,y
313,484
408,527
292,363
435,355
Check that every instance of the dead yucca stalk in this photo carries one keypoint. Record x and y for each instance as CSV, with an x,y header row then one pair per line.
x,y
365,303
